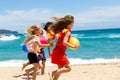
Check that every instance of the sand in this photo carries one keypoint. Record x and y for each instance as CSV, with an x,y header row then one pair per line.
x,y
99,71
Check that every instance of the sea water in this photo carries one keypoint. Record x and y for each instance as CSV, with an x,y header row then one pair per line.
x,y
97,46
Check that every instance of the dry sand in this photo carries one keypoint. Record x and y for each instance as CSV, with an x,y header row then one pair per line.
x,y
99,71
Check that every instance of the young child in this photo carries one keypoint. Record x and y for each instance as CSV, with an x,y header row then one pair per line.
x,y
41,54
33,44
47,30
58,55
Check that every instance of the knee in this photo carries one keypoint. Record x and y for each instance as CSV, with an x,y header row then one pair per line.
x,y
36,69
69,69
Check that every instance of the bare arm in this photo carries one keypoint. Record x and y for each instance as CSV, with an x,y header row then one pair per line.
x,y
52,43
49,51
44,45
66,43
49,48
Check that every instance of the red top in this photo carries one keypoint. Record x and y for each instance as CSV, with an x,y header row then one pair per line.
x,y
58,55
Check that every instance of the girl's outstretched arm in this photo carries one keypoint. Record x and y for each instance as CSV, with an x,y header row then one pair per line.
x,y
44,45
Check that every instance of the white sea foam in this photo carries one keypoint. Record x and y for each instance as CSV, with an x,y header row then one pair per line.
x,y
114,36
48,63
8,38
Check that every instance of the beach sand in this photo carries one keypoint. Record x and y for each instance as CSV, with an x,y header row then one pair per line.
x,y
99,71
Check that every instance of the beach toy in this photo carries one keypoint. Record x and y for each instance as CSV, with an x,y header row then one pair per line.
x,y
38,50
24,48
43,40
74,41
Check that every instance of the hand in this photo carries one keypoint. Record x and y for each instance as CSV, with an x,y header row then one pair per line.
x,y
77,46
52,43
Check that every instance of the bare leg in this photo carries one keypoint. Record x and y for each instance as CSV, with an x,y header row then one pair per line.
x,y
51,74
43,69
40,66
24,65
28,71
61,69
36,68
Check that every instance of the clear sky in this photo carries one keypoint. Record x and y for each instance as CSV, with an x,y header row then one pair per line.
x,y
89,14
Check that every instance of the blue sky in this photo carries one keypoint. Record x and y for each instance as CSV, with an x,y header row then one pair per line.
x,y
89,14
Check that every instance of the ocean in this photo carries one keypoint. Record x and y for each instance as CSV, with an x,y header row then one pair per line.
x,y
97,46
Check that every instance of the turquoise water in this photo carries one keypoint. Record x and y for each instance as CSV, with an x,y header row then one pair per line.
x,y
96,46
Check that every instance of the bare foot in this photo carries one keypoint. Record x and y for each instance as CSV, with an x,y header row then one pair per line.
x,y
24,65
42,73
50,75
27,73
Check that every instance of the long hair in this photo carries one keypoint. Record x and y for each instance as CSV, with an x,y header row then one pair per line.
x,y
61,23
31,30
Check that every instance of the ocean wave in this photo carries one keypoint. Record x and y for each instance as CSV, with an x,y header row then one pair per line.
x,y
76,35
92,61
73,61
8,38
114,36
83,36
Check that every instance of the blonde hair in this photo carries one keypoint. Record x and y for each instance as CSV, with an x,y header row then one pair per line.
x,y
31,30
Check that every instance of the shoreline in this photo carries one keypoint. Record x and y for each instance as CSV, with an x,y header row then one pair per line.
x,y
96,71
73,61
